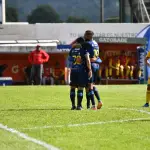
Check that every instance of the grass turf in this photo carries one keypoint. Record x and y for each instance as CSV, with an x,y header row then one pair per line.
x,y
24,108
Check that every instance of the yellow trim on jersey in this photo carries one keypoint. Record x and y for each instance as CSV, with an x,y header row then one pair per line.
x,y
148,55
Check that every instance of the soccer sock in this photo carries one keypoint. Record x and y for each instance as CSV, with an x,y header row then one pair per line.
x,y
96,94
148,92
72,96
91,93
88,99
80,97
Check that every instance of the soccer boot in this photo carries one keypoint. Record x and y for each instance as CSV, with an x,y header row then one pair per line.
x,y
94,108
146,105
73,108
79,108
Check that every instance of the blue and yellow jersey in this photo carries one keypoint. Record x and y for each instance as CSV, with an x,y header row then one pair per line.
x,y
75,57
93,49
148,55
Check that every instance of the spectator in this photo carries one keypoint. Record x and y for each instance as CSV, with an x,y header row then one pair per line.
x,y
48,75
37,58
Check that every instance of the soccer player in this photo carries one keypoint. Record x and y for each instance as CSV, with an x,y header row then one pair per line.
x,y
93,51
80,69
147,61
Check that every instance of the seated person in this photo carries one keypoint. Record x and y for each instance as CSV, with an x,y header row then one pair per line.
x,y
47,75
59,76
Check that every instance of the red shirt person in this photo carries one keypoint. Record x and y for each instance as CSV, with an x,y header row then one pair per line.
x,y
37,58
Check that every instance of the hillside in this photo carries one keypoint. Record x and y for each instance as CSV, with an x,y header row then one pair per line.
x,y
66,8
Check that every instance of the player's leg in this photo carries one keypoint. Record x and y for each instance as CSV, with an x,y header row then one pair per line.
x,y
127,72
148,90
122,71
91,93
96,92
79,98
32,75
97,95
72,97
110,72
131,71
39,72
44,80
51,80
117,71
139,73
106,72
87,97
73,84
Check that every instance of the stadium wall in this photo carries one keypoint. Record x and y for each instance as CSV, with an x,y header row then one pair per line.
x,y
66,33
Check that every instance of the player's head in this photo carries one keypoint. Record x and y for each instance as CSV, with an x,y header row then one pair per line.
x,y
88,35
38,47
80,40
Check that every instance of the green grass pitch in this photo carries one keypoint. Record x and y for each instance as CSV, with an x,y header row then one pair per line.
x,y
44,114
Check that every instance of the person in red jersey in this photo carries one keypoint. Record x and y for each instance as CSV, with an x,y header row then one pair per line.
x,y
37,58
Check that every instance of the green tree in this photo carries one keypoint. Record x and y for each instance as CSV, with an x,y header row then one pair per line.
x,y
43,14
74,19
11,14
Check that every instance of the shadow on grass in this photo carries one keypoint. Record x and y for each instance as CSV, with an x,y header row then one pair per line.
x,y
34,109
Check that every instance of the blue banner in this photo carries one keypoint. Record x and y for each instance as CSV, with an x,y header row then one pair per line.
x,y
141,63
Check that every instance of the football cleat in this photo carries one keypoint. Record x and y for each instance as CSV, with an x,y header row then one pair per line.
x,y
73,108
94,108
146,105
100,104
79,108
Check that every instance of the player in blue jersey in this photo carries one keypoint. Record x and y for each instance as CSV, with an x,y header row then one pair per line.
x,y
93,50
79,74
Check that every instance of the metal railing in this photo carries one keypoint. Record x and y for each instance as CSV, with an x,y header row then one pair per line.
x,y
140,11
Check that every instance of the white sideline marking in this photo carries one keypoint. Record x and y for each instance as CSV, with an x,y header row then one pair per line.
x,y
96,123
132,109
26,137
86,124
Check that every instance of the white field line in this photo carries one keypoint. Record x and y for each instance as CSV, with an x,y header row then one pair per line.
x,y
26,137
132,109
87,124
96,123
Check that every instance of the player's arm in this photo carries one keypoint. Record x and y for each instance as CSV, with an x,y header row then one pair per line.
x,y
88,62
96,60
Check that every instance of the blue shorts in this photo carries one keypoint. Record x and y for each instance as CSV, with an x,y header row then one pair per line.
x,y
78,78
95,70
